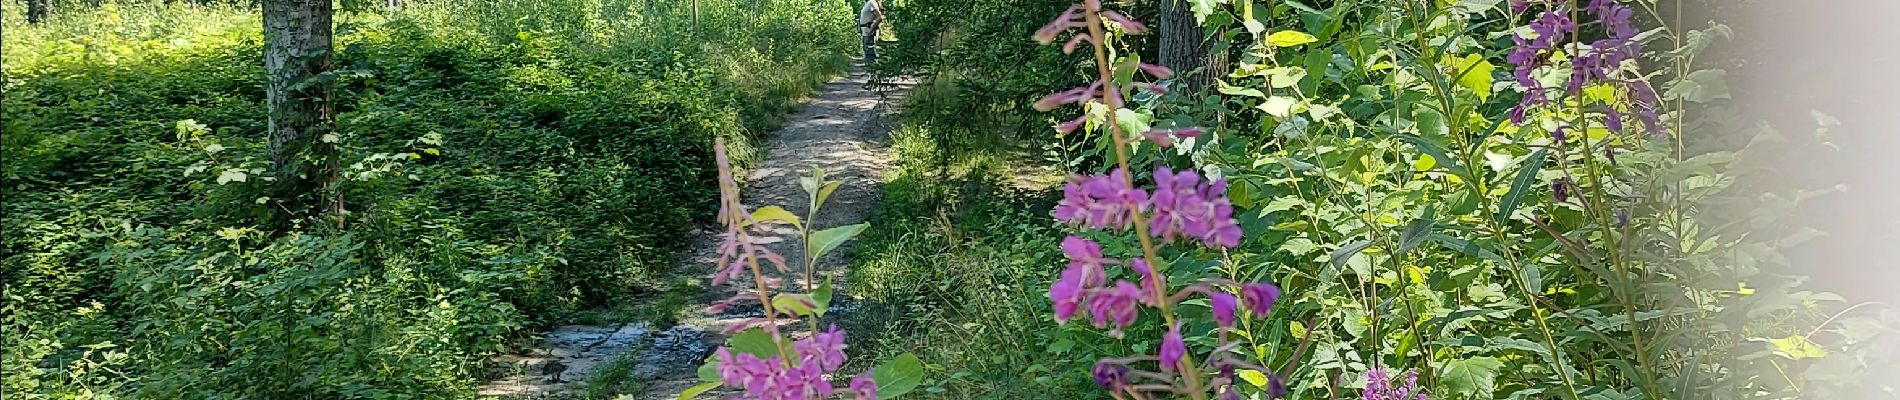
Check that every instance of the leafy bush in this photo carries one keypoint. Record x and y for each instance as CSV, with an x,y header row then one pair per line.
x,y
507,164
1581,250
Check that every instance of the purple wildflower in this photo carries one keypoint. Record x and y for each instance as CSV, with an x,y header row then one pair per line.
x,y
1068,292
1172,348
1185,207
1560,190
1110,375
1259,297
1117,305
1148,284
1224,305
1101,202
826,348
863,387
1379,387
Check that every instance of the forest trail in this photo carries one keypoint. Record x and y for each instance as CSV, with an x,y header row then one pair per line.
x,y
842,129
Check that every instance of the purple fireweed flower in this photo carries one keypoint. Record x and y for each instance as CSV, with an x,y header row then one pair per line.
x,y
1115,307
1165,137
1101,202
1110,375
1230,392
1071,125
1074,95
1071,18
1259,297
826,348
1185,207
1560,190
1159,72
1069,291
1379,387
1148,283
863,387
1172,348
1559,135
1074,42
1224,305
1085,252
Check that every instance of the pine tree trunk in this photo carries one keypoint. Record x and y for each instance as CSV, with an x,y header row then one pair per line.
x,y
37,10
297,45
1183,48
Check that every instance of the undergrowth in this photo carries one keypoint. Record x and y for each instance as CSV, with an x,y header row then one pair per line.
x,y
507,165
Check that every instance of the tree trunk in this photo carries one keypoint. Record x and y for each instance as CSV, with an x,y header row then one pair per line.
x,y
1184,49
37,10
297,43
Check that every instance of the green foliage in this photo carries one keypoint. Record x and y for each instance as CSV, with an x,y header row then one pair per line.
x,y
1368,151
507,164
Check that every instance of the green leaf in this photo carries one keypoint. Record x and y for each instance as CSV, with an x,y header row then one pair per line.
x,y
1346,252
1432,149
824,193
1290,38
1795,347
1473,72
232,175
797,304
695,391
825,241
1280,106
1701,86
1474,377
1202,8
898,375
1132,122
753,341
775,213
823,297
1521,185
709,370
1256,378
1416,231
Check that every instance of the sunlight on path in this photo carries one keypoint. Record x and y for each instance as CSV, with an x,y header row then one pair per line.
x,y
843,130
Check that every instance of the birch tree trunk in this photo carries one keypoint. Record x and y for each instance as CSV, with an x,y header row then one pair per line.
x,y
297,45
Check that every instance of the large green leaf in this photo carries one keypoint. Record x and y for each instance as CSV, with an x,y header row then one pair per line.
x,y
775,213
1521,185
1346,252
825,241
898,375
1474,377
755,342
1416,231
797,304
822,297
1432,149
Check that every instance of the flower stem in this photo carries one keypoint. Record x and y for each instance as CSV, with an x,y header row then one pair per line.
x,y
1099,39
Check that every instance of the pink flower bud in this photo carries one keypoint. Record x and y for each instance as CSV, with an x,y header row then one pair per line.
x,y
1159,72
1128,24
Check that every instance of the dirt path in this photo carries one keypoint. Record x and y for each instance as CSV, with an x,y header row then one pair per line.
x,y
842,130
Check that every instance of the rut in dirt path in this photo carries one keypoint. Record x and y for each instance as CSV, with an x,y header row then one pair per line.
x,y
843,130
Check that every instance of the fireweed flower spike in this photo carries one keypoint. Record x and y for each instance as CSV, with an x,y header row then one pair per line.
x,y
800,370
1183,207
1379,387
1172,348
1599,62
